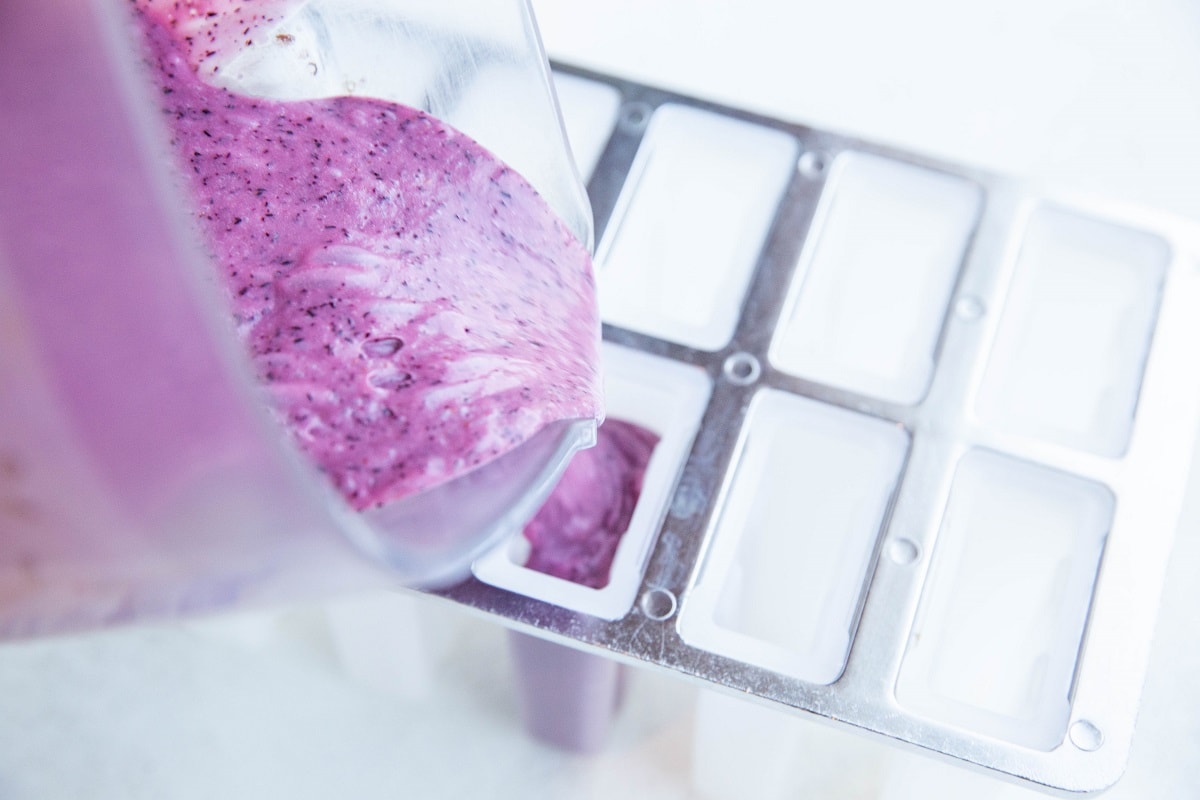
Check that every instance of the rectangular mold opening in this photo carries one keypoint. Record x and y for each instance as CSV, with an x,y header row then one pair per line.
x,y
589,110
663,396
866,308
1070,351
1001,619
688,227
794,537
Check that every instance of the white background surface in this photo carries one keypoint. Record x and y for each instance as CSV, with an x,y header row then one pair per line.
x,y
1102,97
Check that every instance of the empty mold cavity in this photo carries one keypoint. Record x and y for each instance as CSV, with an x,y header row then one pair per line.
x,y
1071,348
666,397
687,230
1002,615
794,537
872,288
589,110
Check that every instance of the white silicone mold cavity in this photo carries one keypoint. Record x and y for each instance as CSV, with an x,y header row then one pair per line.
x,y
866,310
589,110
794,537
664,396
689,225
1068,358
1002,614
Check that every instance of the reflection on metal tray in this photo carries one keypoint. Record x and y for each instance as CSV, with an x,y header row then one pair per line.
x,y
927,479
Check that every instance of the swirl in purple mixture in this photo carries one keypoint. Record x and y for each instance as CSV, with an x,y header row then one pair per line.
x,y
576,532
413,307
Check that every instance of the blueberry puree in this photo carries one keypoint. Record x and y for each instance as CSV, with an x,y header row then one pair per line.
x,y
576,532
411,305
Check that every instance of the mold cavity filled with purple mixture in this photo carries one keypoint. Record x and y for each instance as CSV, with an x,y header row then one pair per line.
x,y
575,534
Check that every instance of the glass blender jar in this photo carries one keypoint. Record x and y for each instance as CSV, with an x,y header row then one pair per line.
x,y
139,475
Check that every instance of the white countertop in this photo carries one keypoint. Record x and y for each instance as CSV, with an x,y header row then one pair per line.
x,y
1094,97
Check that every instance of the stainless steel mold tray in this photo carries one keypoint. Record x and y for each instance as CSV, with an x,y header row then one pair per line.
x,y
931,429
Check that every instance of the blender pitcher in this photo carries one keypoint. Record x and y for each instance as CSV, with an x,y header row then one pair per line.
x,y
139,474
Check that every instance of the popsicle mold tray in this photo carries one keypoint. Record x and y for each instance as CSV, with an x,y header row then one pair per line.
x,y
926,433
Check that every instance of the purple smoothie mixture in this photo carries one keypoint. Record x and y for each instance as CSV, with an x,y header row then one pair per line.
x,y
576,532
412,306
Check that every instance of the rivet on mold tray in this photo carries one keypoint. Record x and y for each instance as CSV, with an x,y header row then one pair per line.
x,y
903,551
1086,736
635,117
970,308
813,164
658,604
742,369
